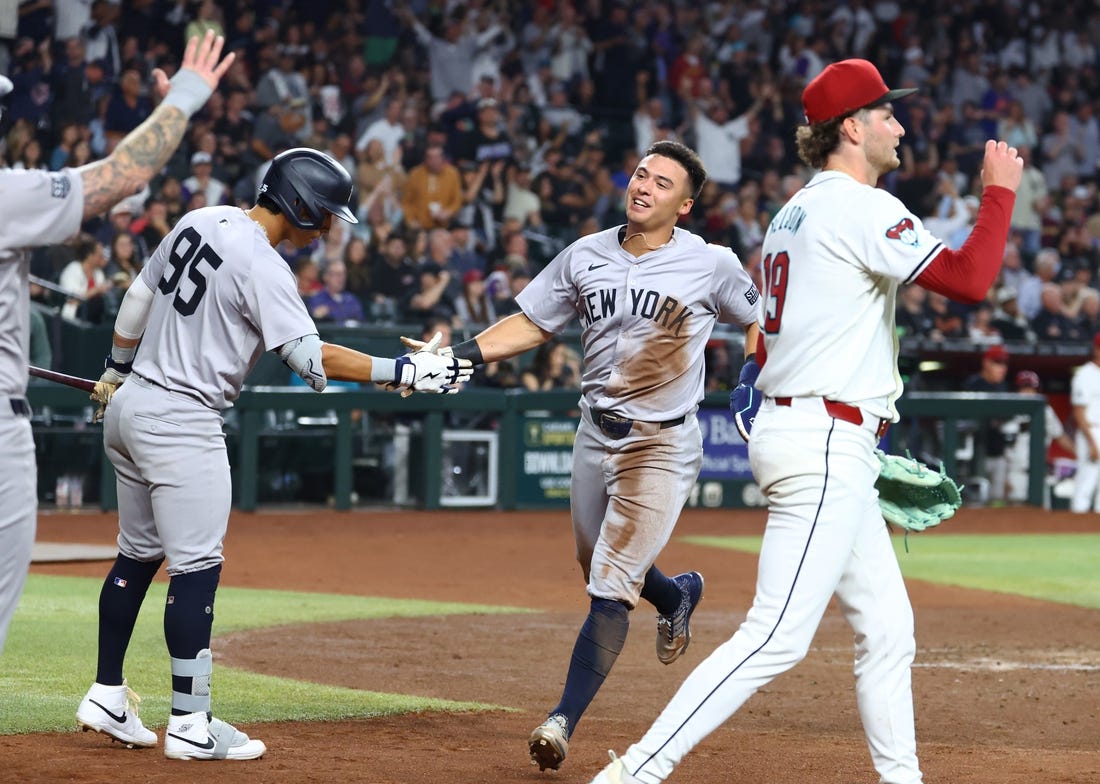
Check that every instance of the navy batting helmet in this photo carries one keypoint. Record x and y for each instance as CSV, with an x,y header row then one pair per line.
x,y
305,184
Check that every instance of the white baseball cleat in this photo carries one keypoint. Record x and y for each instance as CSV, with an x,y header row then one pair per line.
x,y
113,710
615,772
200,736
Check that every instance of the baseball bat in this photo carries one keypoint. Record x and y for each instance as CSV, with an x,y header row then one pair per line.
x,y
63,378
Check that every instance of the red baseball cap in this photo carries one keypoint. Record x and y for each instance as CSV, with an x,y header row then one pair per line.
x,y
1028,379
996,353
845,87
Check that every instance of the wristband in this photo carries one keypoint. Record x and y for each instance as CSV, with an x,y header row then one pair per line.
x,y
383,370
122,356
188,92
470,350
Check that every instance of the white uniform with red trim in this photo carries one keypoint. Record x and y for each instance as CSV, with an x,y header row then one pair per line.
x,y
833,258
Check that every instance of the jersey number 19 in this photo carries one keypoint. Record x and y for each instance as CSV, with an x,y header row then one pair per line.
x,y
775,284
188,258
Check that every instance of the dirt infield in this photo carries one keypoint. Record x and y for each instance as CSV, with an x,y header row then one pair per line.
x,y
1007,689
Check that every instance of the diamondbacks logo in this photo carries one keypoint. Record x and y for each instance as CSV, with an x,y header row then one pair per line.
x,y
59,186
903,230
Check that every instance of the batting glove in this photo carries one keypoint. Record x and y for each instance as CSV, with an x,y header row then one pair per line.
x,y
114,373
423,371
432,347
745,399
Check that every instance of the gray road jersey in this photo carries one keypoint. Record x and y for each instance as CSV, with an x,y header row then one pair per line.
x,y
36,208
223,296
645,321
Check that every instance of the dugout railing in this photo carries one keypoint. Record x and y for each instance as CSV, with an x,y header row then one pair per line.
x,y
81,443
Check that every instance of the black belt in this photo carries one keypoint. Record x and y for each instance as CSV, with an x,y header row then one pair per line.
x,y
20,406
616,426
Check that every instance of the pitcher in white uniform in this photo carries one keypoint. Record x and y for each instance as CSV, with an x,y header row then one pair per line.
x,y
213,297
1084,395
833,258
648,295
46,208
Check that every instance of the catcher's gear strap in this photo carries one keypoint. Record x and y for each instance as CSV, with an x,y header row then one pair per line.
x,y
133,313
198,670
965,275
303,356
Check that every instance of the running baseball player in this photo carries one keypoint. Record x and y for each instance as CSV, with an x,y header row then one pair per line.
x,y
43,208
833,258
214,296
648,295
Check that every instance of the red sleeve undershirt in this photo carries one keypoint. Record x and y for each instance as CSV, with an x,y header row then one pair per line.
x,y
965,275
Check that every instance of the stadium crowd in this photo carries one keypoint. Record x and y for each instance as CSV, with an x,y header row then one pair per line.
x,y
485,136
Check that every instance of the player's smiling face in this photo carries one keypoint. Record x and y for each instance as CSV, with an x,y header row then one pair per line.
x,y
658,193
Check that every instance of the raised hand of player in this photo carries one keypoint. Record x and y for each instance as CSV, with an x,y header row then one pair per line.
x,y
1002,166
200,58
414,345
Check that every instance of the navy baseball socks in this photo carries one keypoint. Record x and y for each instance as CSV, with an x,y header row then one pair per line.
x,y
598,645
193,732
110,706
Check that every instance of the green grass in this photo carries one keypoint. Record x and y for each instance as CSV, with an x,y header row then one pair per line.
x,y
49,659
1052,567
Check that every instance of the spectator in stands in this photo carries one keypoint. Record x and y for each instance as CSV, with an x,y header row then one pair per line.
x,y
465,256
947,318
450,55
1062,152
483,192
83,278
433,191
719,135
521,203
1018,437
1007,318
68,136
308,274
126,110
124,262
1051,322
1047,265
388,130
474,307
430,299
991,378
334,302
1088,319
393,275
372,168
357,262
203,181
1026,220
555,366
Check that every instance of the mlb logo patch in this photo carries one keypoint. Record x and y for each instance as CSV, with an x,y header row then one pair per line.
x,y
120,582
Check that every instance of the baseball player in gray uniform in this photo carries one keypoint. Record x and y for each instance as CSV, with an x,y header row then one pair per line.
x,y
833,259
42,208
214,296
648,295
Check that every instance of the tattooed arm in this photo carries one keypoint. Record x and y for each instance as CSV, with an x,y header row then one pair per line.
x,y
146,149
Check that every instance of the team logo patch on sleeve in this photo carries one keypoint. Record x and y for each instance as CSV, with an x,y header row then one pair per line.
x,y
59,186
903,230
